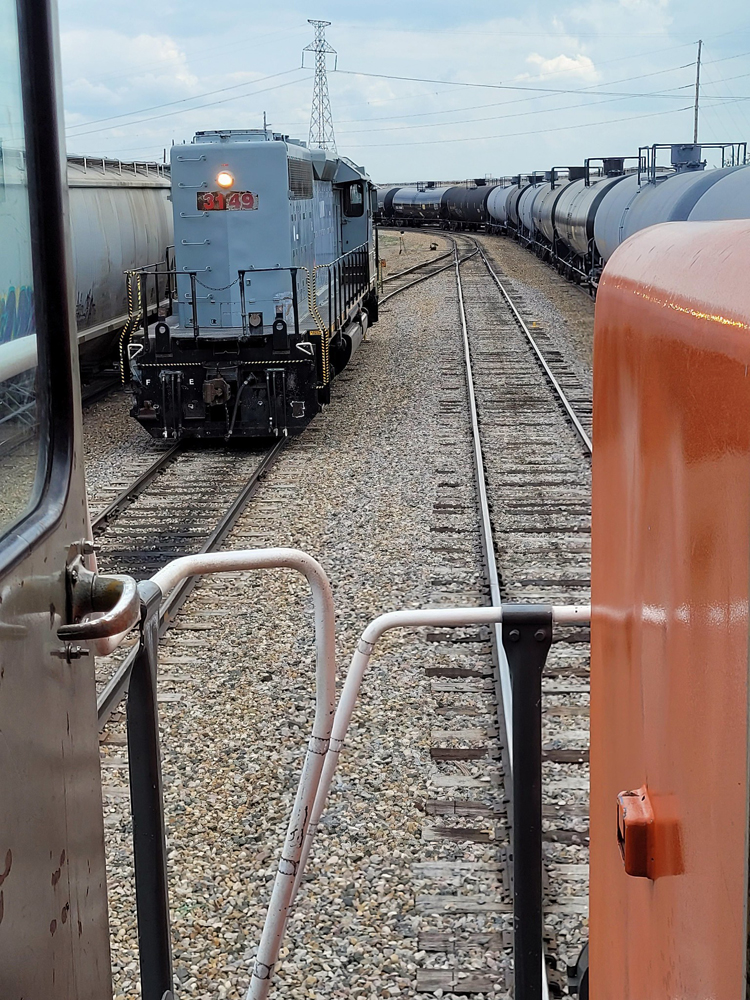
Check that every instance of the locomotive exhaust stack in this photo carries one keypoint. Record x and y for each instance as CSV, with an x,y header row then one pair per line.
x,y
273,284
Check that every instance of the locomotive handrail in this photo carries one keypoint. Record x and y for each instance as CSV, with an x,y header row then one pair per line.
x,y
362,246
527,711
342,290
142,273
409,618
523,628
149,841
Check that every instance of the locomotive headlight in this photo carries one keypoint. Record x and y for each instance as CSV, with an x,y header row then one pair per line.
x,y
224,179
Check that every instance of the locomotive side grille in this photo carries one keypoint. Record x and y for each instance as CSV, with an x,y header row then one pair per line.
x,y
300,178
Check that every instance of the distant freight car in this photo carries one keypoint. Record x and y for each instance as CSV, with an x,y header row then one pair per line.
x,y
120,218
575,217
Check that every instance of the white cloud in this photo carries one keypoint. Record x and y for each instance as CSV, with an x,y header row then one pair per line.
x,y
118,62
398,128
646,7
578,66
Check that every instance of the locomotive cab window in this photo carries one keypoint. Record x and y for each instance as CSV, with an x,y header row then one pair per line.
x,y
34,453
19,417
354,200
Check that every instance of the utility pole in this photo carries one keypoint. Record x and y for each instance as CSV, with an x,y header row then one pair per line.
x,y
697,90
321,117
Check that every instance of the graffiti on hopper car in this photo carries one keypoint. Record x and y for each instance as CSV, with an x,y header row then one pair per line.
x,y
16,314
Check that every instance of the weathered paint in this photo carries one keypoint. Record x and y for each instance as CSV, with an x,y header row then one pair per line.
x,y
16,314
671,572
121,219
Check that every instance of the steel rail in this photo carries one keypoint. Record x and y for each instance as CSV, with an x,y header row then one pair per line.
x,y
432,274
504,686
417,281
578,426
117,686
485,524
98,389
417,267
132,492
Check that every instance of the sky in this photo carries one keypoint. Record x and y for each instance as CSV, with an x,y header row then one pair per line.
x,y
438,91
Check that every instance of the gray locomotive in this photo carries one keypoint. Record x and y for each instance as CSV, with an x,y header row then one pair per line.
x,y
119,219
272,289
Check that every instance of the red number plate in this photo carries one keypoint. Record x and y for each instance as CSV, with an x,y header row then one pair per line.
x,y
229,201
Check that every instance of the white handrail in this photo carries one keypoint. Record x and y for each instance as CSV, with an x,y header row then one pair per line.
x,y
325,697
273,930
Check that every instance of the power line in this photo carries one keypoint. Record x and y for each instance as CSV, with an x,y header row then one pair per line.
x,y
182,111
490,118
498,104
377,102
183,100
518,114
513,135
519,100
505,86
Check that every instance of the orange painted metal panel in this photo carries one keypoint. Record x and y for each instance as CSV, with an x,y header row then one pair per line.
x,y
671,571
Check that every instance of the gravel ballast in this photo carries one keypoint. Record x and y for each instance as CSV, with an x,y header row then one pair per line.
x,y
380,490
357,491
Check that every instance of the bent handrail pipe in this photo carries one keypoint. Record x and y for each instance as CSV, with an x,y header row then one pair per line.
x,y
121,594
437,617
325,696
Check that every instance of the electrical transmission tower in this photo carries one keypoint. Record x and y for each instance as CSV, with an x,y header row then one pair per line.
x,y
321,118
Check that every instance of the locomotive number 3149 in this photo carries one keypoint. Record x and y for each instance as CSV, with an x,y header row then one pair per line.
x,y
227,201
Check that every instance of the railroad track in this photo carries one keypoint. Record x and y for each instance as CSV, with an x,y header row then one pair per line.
x,y
462,896
412,276
99,386
530,420
184,502
147,522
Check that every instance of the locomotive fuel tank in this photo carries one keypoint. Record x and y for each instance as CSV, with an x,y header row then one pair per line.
x,y
467,206
670,623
